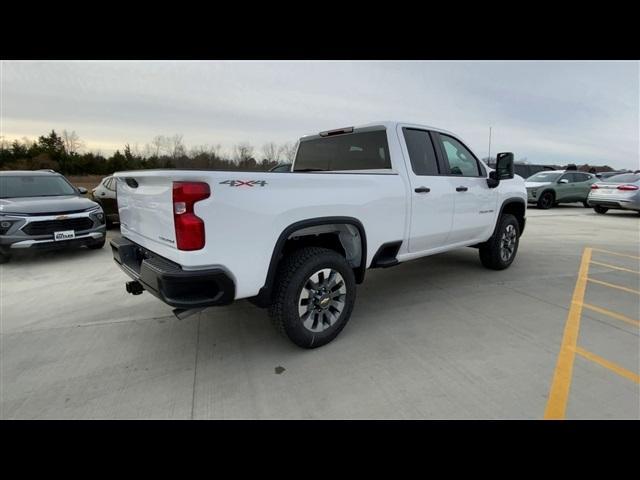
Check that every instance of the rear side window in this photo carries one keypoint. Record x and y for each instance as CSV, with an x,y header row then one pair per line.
x,y
461,161
421,152
353,151
110,184
624,178
582,177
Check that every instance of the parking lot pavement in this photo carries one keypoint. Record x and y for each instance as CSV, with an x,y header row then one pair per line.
x,y
436,338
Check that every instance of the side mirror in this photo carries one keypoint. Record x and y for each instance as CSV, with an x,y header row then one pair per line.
x,y
82,190
563,180
504,165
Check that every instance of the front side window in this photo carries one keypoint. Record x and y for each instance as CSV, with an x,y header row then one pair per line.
x,y
461,161
20,186
421,152
352,151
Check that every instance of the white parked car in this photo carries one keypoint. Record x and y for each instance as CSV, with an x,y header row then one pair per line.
x,y
298,243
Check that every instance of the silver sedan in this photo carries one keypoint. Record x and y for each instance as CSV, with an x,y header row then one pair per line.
x,y
620,192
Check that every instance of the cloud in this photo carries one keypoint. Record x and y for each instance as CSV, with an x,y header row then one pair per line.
x,y
550,112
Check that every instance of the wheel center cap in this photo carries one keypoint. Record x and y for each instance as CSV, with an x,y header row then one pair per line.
x,y
324,301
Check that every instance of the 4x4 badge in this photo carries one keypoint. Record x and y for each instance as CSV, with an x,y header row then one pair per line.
x,y
244,183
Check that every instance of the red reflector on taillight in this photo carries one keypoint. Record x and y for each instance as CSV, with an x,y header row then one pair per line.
x,y
627,187
594,186
189,227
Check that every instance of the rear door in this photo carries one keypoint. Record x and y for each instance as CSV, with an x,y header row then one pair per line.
x,y
432,197
582,184
475,202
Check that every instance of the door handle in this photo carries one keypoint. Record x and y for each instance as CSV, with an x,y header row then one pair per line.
x,y
462,189
422,190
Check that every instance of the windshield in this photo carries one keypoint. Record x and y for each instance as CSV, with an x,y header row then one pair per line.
x,y
34,186
624,178
355,151
544,177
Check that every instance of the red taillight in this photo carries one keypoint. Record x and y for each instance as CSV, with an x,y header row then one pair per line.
x,y
189,227
594,186
628,187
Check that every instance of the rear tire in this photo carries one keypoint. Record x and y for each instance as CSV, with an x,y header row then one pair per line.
x,y
586,205
600,209
500,250
308,308
546,200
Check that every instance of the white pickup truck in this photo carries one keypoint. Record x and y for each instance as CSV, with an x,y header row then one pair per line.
x,y
298,242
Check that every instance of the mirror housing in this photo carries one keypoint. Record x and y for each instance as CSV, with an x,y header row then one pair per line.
x,y
493,181
504,165
563,180
82,190
503,171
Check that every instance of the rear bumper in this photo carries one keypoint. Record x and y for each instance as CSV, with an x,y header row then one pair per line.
x,y
169,282
615,203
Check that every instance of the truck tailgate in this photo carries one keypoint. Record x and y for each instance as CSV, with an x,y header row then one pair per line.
x,y
145,206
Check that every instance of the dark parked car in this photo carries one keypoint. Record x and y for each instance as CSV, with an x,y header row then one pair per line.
x,y
42,210
105,195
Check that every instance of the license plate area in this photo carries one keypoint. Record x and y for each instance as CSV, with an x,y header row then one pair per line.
x,y
64,235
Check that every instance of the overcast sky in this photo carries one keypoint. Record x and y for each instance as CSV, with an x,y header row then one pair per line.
x,y
548,112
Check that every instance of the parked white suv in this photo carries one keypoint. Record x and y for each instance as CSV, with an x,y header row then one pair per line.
x,y
298,243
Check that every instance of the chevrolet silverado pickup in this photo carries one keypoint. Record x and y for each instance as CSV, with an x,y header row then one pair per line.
x,y
298,242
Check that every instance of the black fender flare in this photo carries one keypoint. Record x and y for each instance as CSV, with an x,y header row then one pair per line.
x,y
510,201
264,295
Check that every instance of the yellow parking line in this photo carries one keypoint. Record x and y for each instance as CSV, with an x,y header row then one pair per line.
x,y
615,253
611,285
559,392
617,316
615,267
603,362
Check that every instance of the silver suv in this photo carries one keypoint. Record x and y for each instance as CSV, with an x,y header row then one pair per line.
x,y
42,210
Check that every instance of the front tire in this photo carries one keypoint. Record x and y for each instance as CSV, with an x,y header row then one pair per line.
x,y
546,200
600,209
4,258
314,295
500,250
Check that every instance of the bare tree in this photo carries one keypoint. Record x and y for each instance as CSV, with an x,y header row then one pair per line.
x,y
72,142
289,151
242,152
271,152
177,146
158,145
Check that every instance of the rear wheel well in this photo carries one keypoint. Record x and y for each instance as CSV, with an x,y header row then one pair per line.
x,y
340,234
342,238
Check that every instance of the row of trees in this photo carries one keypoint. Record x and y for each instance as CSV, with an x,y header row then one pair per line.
x,y
62,152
